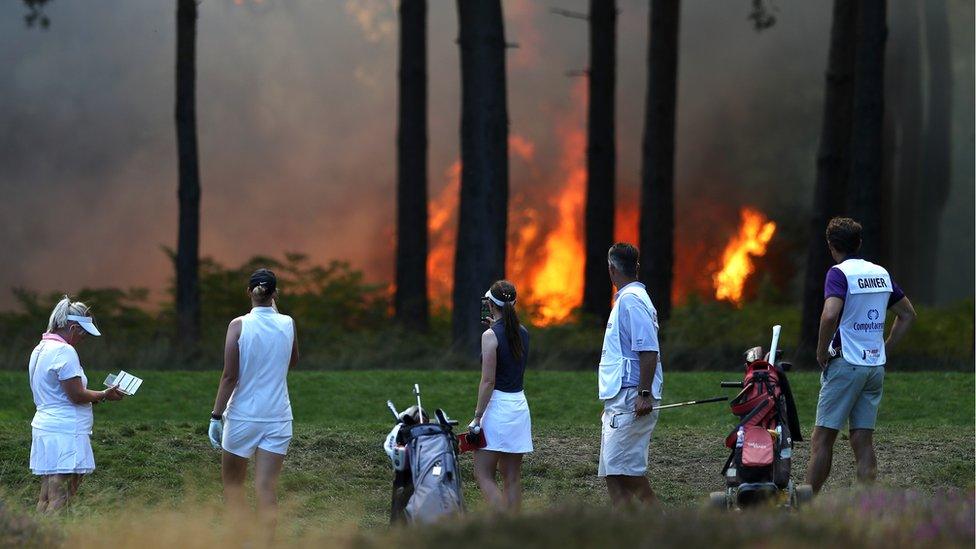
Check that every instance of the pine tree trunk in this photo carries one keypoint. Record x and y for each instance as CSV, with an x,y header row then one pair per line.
x,y
866,133
601,158
188,240
833,162
657,169
937,147
903,131
482,214
411,255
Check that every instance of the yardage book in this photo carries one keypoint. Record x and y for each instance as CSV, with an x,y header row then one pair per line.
x,y
128,383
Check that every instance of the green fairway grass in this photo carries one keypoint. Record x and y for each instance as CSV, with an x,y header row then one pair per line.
x,y
152,449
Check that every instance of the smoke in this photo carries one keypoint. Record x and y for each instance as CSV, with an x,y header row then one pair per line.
x,y
296,117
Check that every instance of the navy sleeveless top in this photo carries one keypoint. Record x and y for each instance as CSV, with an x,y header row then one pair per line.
x,y
509,371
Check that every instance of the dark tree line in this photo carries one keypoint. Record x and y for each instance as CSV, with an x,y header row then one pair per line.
x,y
852,174
883,147
833,161
850,159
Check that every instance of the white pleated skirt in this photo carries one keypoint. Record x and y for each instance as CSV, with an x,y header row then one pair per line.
x,y
507,424
61,454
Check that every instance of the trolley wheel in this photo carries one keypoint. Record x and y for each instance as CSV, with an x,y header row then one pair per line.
x,y
718,500
804,495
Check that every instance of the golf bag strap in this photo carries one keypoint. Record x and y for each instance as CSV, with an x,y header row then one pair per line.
x,y
749,416
792,419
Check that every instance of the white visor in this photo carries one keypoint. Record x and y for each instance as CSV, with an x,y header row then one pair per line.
x,y
495,300
87,323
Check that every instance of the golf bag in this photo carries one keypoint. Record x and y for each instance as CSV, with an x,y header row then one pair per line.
x,y
427,477
761,443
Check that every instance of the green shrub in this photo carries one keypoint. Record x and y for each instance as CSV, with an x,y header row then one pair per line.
x,y
345,323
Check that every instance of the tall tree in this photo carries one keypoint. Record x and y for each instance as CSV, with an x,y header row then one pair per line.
x,y
188,239
867,158
601,157
833,163
411,255
482,213
904,113
936,144
657,162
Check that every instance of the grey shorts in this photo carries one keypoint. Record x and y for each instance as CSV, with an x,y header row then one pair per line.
x,y
849,394
625,438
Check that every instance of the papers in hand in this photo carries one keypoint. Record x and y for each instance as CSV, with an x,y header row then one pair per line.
x,y
128,384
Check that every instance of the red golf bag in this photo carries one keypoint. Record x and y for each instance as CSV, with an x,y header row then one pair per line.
x,y
762,441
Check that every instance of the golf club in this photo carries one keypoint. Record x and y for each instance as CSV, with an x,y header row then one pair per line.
x,y
420,409
774,344
692,402
396,415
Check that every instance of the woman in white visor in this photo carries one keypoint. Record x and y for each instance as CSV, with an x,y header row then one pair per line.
x,y
61,451
252,414
502,411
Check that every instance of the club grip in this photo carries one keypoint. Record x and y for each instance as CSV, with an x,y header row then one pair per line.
x,y
731,384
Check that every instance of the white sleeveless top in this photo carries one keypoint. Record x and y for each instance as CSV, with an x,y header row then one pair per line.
x,y
265,349
611,371
862,322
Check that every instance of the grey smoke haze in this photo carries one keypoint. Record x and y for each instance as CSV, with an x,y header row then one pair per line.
x,y
296,116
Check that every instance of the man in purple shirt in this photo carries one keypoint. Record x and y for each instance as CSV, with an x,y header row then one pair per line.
x,y
852,351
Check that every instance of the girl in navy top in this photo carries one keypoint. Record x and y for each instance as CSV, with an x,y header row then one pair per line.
x,y
502,411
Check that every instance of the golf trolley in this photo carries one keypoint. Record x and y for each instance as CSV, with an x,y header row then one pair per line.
x,y
758,469
426,475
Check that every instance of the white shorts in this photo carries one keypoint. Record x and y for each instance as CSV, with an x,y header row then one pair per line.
x,y
626,438
60,454
507,424
242,438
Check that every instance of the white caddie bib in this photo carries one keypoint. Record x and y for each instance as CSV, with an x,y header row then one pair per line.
x,y
611,369
865,305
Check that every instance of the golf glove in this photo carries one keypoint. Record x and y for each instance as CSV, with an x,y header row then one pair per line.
x,y
215,432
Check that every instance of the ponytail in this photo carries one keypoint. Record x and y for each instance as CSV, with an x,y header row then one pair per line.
x,y
59,316
262,285
65,307
513,330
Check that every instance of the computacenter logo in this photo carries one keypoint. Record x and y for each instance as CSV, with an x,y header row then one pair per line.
x,y
873,314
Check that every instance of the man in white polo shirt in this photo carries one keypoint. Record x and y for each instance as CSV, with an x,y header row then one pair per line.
x,y
852,351
630,381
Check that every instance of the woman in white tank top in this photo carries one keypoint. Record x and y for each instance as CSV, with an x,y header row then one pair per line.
x,y
252,414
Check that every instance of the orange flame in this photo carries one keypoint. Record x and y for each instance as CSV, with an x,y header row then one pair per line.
x,y
442,226
557,286
754,234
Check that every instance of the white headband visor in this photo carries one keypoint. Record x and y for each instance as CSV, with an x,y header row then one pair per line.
x,y
495,300
87,323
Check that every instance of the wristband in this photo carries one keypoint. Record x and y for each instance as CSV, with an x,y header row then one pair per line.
x,y
215,415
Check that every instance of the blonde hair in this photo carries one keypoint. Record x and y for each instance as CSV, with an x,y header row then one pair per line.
x,y
259,292
65,307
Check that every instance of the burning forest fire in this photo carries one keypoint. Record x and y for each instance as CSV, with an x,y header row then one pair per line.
x,y
754,235
545,251
546,256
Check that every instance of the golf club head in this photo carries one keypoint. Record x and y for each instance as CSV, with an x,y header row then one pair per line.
x,y
411,416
